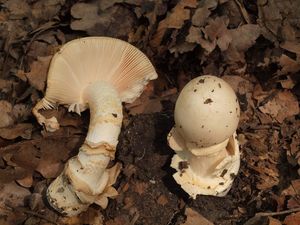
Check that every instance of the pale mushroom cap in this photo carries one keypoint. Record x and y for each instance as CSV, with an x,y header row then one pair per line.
x,y
87,60
206,112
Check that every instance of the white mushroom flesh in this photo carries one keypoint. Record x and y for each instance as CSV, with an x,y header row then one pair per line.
x,y
207,152
98,73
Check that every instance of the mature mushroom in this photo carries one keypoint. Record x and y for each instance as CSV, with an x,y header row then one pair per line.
x,y
97,73
207,153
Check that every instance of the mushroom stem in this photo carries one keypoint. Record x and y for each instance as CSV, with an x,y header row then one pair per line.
x,y
208,172
205,164
86,179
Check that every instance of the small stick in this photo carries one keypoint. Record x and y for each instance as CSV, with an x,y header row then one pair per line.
x,y
277,213
39,216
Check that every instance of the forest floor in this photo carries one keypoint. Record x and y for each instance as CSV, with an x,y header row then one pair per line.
x,y
253,45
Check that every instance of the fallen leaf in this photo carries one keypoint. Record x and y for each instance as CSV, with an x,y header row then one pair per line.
x,y
193,217
12,195
240,39
179,14
288,65
273,221
287,83
200,16
283,105
89,18
292,219
291,46
23,130
91,217
26,181
5,112
38,72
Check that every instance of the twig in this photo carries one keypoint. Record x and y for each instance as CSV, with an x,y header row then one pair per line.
x,y
38,215
29,212
277,213
243,11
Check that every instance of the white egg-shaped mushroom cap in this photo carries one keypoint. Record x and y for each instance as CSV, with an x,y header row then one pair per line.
x,y
87,60
207,112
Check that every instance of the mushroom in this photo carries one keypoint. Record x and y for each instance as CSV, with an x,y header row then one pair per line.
x,y
98,73
207,152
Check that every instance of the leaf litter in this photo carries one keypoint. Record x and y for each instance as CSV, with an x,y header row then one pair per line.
x,y
252,45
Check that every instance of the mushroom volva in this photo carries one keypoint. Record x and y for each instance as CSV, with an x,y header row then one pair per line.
x,y
207,152
98,73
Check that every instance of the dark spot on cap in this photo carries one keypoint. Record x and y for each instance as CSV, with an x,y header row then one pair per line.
x,y
202,126
212,90
221,183
201,81
219,85
183,165
208,187
209,131
226,125
207,101
180,126
115,115
223,173
195,90
230,112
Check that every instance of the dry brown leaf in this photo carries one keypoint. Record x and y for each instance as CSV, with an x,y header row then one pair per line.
x,y
26,181
23,130
288,65
49,169
194,35
5,114
18,9
45,10
287,83
273,221
194,217
38,72
12,195
200,16
293,189
244,36
89,18
162,200
291,46
283,105
292,219
21,112
91,217
179,14
278,19
240,39
215,33
105,4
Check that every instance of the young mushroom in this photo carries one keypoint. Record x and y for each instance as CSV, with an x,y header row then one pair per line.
x,y
98,73
207,152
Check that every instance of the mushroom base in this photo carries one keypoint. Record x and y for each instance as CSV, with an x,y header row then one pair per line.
x,y
217,182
